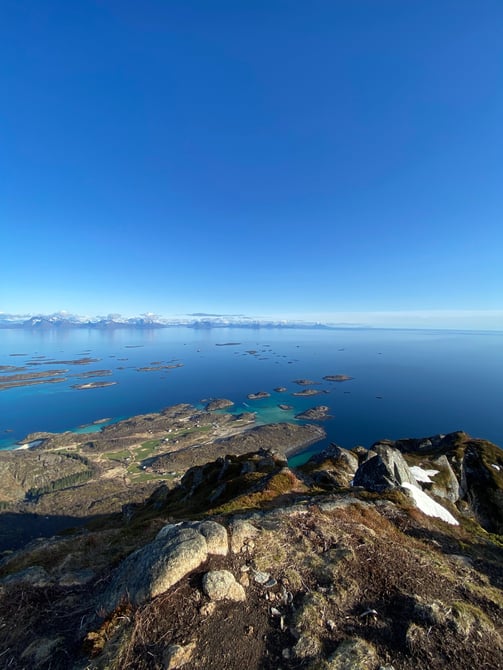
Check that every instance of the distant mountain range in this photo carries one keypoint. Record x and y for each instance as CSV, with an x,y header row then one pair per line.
x,y
70,321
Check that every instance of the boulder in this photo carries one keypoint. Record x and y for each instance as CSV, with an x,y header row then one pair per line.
x,y
386,470
153,569
221,585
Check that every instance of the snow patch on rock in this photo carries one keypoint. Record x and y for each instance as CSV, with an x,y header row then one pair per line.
x,y
428,505
423,475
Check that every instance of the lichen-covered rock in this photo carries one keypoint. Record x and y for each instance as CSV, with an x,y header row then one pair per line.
x,y
155,568
221,585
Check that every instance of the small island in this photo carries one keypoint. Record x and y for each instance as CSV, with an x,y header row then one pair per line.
x,y
314,414
32,378
154,368
258,395
337,378
94,373
33,382
92,385
280,389
285,408
305,382
218,403
308,392
76,361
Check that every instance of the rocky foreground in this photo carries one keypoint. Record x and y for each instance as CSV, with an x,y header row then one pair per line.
x,y
358,560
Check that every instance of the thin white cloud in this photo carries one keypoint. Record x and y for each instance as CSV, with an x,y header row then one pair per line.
x,y
442,319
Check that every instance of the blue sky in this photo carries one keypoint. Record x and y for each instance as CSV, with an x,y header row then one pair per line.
x,y
280,158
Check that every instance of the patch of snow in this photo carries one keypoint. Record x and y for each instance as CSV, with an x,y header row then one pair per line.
x,y
496,467
423,475
428,505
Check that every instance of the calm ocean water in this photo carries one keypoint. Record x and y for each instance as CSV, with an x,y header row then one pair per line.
x,y
406,383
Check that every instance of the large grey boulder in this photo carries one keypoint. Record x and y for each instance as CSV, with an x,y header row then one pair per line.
x,y
386,470
153,569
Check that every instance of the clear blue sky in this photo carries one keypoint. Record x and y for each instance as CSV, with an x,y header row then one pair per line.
x,y
258,157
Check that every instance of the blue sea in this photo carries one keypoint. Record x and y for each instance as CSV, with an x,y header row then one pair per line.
x,y
405,383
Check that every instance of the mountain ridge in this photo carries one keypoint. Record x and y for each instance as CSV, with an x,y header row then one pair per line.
x,y
249,563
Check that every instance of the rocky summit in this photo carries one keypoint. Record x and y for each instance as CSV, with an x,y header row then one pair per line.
x,y
380,559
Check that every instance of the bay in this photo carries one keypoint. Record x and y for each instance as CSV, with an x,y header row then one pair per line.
x,y
405,383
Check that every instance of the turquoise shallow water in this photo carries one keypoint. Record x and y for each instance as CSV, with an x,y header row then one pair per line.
x,y
406,383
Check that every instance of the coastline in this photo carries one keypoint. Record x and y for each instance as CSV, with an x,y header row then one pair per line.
x,y
385,391
72,472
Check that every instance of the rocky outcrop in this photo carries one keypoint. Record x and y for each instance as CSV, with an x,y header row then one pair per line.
x,y
386,470
334,467
153,569
482,485
444,483
470,471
